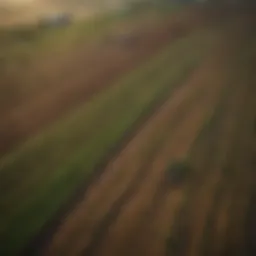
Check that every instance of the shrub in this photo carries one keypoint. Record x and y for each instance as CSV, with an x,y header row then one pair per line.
x,y
177,172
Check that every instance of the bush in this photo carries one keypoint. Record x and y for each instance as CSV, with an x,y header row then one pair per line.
x,y
178,172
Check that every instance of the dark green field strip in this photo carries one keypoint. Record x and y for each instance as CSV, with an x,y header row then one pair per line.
x,y
39,177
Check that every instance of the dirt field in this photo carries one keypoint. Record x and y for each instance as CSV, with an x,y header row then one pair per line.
x,y
129,211
125,193
207,119
119,180
43,167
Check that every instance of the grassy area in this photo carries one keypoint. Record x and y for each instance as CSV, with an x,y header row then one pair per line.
x,y
39,177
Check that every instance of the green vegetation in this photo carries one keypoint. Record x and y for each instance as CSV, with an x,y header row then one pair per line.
x,y
178,172
40,176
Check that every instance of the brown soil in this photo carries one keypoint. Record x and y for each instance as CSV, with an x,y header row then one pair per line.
x,y
128,210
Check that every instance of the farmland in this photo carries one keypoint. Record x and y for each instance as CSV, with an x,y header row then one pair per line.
x,y
84,152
